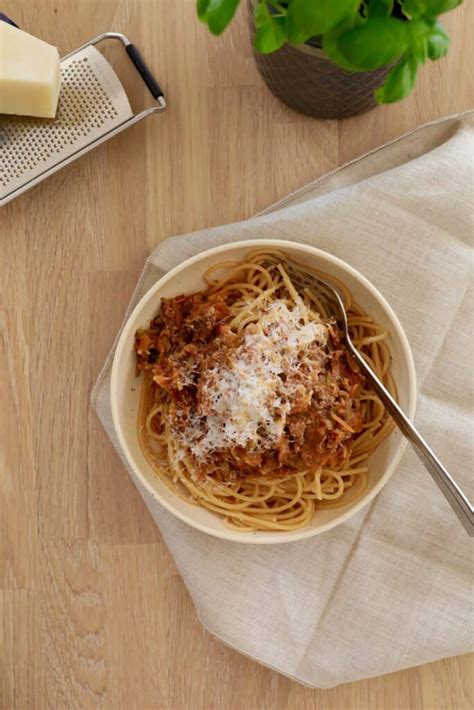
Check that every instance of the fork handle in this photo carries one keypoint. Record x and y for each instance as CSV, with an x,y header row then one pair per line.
x,y
447,485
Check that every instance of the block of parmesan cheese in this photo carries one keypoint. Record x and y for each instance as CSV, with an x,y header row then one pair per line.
x,y
30,75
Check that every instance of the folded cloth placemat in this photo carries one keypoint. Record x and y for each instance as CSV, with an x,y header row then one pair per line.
x,y
390,588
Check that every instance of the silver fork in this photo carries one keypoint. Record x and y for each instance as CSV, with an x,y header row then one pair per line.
x,y
447,485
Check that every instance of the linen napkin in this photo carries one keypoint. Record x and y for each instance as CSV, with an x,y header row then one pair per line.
x,y
390,588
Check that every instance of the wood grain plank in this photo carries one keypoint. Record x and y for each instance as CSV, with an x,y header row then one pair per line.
x,y
18,510
179,145
59,337
139,671
116,512
72,635
245,169
20,681
13,281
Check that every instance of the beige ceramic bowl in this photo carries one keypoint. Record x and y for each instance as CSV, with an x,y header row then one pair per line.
x,y
125,388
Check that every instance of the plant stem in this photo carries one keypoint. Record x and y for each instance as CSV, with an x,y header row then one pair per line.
x,y
278,6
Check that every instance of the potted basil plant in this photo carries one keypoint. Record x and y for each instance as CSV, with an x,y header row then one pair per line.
x,y
338,58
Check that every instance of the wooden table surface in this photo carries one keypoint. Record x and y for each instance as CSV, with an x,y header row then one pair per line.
x,y
93,610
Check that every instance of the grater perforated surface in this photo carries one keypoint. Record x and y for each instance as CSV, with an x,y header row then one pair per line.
x,y
92,102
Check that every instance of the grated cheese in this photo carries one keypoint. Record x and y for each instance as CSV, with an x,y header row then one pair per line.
x,y
244,401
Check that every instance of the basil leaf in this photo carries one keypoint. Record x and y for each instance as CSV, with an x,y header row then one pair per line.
x,y
437,7
261,15
331,47
437,42
399,82
271,32
310,18
374,44
217,13
419,50
430,8
380,8
270,37
202,8
414,8
418,31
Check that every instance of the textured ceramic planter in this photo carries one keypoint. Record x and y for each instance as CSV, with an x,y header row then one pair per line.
x,y
307,81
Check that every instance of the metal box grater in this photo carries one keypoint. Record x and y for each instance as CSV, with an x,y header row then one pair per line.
x,y
93,106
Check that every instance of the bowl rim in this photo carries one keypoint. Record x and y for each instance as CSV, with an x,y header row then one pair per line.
x,y
255,538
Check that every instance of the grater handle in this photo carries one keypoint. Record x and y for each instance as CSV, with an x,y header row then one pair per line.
x,y
140,65
145,73
4,18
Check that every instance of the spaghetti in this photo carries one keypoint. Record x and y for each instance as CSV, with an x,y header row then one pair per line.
x,y
251,405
